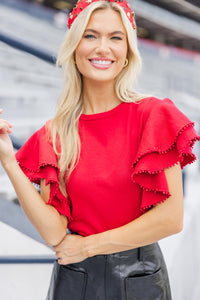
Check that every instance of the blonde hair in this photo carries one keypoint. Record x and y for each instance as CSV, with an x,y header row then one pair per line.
x,y
65,122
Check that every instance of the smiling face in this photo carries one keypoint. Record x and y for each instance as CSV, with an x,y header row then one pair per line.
x,y
102,51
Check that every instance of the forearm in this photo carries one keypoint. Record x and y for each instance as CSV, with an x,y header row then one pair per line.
x,y
50,225
147,229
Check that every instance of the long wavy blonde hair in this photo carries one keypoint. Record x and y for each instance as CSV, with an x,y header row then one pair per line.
x,y
65,123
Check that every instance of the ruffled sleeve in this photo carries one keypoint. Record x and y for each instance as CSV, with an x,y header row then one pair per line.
x,y
167,137
38,161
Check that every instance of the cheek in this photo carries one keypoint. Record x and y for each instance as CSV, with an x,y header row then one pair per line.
x,y
122,54
78,55
82,50
81,58
81,62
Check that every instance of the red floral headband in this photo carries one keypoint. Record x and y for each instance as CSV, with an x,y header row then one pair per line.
x,y
82,4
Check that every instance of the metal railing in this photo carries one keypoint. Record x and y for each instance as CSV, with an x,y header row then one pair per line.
x,y
23,46
27,259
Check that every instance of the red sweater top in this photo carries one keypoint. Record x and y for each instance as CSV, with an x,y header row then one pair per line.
x,y
120,174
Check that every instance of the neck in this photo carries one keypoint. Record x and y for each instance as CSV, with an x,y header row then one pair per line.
x,y
99,98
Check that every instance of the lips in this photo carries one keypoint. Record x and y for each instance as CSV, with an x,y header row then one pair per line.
x,y
101,63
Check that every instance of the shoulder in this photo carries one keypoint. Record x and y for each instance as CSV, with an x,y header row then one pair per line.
x,y
39,139
158,110
150,104
150,109
43,133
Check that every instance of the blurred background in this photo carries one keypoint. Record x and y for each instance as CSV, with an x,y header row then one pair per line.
x,y
30,86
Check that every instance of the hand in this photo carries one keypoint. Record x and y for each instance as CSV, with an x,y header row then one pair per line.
x,y
71,250
6,147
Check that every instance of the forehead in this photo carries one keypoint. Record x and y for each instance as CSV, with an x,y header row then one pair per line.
x,y
106,19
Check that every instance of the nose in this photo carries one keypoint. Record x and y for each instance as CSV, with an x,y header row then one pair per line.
x,y
103,47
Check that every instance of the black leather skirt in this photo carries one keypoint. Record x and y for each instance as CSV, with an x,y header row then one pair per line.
x,y
138,274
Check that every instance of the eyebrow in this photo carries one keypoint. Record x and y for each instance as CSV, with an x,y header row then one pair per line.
x,y
111,33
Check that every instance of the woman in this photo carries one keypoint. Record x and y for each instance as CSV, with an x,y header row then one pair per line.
x,y
109,166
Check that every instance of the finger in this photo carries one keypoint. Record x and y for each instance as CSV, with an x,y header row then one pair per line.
x,y
10,124
5,129
59,254
61,262
65,261
5,125
70,260
4,121
56,248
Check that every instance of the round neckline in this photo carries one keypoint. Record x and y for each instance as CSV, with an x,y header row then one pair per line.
x,y
101,115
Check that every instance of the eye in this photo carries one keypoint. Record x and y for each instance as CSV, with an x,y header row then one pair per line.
x,y
89,36
117,38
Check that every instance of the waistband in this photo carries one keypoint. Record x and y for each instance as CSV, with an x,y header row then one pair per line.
x,y
133,274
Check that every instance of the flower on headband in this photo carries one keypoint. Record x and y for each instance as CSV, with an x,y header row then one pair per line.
x,y
82,4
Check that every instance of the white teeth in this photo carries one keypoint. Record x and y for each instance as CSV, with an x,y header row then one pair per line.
x,y
101,62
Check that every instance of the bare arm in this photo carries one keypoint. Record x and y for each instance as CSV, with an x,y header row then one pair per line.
x,y
50,225
45,218
161,221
